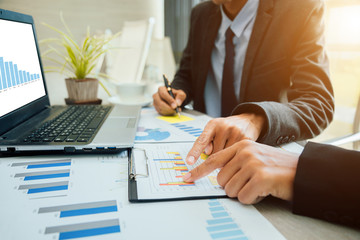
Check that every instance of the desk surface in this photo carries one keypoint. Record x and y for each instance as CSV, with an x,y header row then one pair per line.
x,y
292,226
278,212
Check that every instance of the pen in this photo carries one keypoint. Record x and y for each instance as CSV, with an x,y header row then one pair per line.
x,y
169,89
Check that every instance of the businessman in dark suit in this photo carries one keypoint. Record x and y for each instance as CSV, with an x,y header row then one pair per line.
x,y
322,182
271,73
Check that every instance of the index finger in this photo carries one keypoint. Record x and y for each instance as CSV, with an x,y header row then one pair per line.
x,y
201,143
213,162
180,96
165,96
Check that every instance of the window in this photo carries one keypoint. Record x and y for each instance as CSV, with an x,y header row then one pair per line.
x,y
343,48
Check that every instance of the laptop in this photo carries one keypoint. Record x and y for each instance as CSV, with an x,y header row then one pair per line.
x,y
27,121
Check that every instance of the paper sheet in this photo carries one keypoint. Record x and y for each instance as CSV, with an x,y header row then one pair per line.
x,y
96,207
89,206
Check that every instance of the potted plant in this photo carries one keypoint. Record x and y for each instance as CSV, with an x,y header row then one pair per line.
x,y
77,62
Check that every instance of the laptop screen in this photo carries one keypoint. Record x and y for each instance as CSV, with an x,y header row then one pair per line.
x,y
21,81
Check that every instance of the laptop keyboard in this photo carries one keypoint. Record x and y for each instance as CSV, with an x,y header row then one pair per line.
x,y
76,124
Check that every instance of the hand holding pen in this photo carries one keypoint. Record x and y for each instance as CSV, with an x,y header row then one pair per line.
x,y
168,100
169,89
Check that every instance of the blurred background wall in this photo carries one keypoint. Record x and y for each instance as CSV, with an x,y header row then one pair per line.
x,y
172,19
79,14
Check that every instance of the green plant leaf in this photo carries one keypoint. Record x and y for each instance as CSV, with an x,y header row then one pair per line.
x,y
72,59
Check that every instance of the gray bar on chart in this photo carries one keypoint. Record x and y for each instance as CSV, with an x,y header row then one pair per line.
x,y
41,173
43,185
82,226
77,206
40,162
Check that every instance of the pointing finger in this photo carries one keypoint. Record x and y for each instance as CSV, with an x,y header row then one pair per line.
x,y
201,143
215,161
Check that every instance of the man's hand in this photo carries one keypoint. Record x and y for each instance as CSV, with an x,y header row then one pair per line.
x,y
251,171
221,133
165,104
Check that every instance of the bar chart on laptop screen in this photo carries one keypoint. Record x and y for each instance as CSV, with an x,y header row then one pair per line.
x,y
12,76
21,80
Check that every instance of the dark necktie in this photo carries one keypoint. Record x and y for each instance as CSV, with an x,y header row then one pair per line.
x,y
228,97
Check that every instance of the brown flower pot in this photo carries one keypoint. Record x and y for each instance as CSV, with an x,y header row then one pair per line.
x,y
82,90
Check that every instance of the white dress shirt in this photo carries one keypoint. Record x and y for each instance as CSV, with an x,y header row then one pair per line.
x,y
242,27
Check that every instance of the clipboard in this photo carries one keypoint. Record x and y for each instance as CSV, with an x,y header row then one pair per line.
x,y
149,177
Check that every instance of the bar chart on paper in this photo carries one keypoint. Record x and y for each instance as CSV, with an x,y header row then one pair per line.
x,y
59,197
45,178
221,225
167,166
11,75
81,209
196,132
86,229
93,219
173,169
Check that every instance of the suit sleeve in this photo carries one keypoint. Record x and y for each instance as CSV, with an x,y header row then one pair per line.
x,y
310,103
183,77
327,184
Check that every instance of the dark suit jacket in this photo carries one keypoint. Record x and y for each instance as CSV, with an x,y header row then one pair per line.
x,y
285,74
327,184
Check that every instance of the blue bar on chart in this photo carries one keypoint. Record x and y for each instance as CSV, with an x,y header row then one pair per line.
x,y
2,70
43,175
88,229
25,76
81,209
214,203
222,226
8,74
219,214
12,73
60,164
21,76
16,74
45,187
